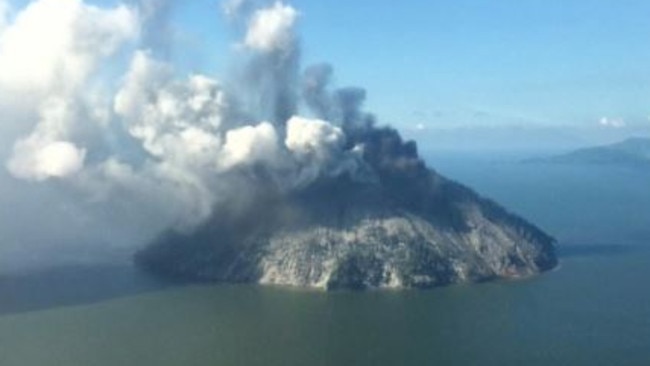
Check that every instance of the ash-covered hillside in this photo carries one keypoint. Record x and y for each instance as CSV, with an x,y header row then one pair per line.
x,y
405,226
332,200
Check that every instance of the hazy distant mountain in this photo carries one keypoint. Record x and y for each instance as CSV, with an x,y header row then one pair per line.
x,y
630,152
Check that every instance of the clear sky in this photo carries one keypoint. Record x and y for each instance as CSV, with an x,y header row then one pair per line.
x,y
548,61
537,61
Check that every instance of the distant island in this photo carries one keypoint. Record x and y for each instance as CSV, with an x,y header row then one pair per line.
x,y
630,152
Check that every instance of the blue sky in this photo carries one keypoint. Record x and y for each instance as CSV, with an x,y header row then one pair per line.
x,y
547,61
529,61
442,62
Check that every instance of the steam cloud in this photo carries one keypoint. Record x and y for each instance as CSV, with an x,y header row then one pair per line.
x,y
176,148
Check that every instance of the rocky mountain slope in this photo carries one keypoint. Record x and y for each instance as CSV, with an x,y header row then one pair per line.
x,y
408,228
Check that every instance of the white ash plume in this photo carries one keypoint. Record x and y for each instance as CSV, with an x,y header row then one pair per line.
x,y
176,150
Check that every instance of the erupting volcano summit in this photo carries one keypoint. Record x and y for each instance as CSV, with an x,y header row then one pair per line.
x,y
272,175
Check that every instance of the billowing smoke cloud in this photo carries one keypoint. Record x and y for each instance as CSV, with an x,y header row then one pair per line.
x,y
236,9
315,83
4,13
156,26
48,55
169,152
343,105
612,122
272,30
272,70
55,45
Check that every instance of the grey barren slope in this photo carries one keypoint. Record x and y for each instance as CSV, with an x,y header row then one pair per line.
x,y
410,228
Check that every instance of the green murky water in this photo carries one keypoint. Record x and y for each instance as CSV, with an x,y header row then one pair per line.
x,y
594,310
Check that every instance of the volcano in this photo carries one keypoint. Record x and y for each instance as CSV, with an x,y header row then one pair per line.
x,y
405,226
274,174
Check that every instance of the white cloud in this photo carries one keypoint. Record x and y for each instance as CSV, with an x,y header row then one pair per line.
x,y
48,53
143,80
178,124
56,44
233,8
272,29
251,144
313,138
154,8
176,121
317,148
612,122
159,149
40,160
46,152
4,14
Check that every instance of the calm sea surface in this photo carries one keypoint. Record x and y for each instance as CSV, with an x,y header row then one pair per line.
x,y
593,310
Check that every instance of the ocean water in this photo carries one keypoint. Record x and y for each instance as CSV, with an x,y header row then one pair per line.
x,y
593,310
